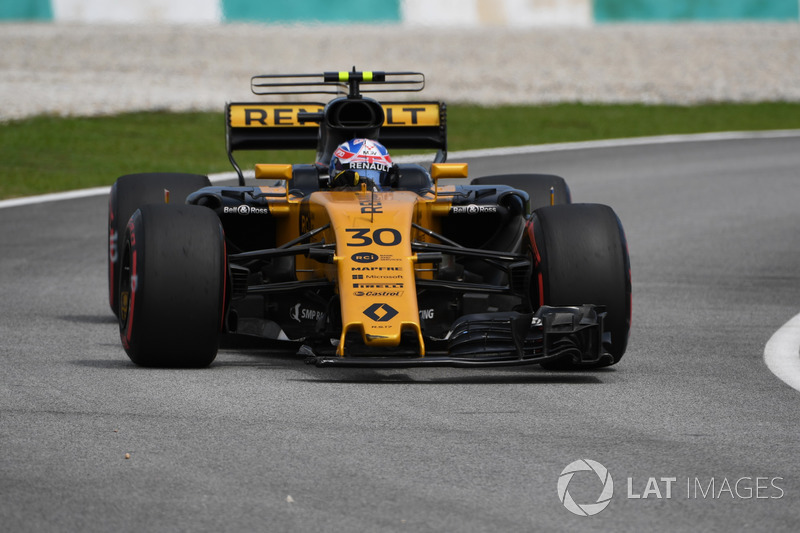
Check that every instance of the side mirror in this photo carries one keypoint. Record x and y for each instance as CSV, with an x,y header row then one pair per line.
x,y
448,170
280,171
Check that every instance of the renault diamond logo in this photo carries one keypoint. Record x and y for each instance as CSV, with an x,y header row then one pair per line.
x,y
380,312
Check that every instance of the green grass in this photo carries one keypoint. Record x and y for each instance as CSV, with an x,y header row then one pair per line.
x,y
47,154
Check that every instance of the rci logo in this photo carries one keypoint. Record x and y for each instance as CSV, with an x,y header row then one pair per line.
x,y
364,257
585,509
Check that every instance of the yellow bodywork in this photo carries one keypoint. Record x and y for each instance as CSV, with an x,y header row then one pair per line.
x,y
374,267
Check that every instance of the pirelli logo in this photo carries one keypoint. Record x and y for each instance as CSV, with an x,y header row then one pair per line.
x,y
287,115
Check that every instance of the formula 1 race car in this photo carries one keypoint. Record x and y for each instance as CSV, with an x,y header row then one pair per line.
x,y
359,260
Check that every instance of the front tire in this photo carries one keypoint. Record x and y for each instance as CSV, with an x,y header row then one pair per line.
x,y
580,256
172,286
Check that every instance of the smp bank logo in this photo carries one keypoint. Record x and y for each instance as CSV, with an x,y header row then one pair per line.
x,y
589,466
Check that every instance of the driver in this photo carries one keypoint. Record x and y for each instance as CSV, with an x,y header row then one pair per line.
x,y
362,160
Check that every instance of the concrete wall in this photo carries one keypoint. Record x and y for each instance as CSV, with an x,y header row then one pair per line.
x,y
515,13
185,11
512,13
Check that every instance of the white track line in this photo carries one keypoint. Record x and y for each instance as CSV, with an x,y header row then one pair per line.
x,y
53,197
633,141
782,353
489,152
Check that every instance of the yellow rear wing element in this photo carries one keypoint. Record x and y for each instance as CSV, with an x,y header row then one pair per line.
x,y
306,115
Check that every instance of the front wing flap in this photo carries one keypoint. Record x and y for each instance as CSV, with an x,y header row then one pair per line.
x,y
573,334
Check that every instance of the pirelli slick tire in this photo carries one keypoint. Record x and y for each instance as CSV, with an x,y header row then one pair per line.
x,y
536,185
580,256
173,286
128,194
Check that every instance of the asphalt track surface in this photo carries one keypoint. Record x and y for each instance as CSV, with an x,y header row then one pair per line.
x,y
266,443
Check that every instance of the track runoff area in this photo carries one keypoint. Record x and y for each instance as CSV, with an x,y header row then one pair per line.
x,y
782,351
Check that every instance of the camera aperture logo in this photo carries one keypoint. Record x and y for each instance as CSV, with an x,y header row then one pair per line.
x,y
585,509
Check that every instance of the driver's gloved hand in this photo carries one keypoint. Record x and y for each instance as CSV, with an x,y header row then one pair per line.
x,y
346,178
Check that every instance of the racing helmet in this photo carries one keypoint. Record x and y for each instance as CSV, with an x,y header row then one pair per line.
x,y
368,158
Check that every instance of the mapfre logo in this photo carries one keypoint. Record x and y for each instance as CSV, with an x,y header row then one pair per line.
x,y
566,477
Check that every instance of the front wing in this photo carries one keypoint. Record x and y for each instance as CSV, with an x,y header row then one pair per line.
x,y
564,334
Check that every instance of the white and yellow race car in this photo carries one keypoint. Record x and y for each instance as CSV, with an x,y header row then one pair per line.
x,y
358,260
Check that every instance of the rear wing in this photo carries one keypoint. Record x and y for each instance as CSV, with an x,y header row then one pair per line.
x,y
314,125
295,126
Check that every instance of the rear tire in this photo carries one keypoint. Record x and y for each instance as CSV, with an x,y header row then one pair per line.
x,y
129,193
172,286
580,256
536,185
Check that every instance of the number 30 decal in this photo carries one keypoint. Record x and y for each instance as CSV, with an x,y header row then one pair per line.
x,y
380,236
